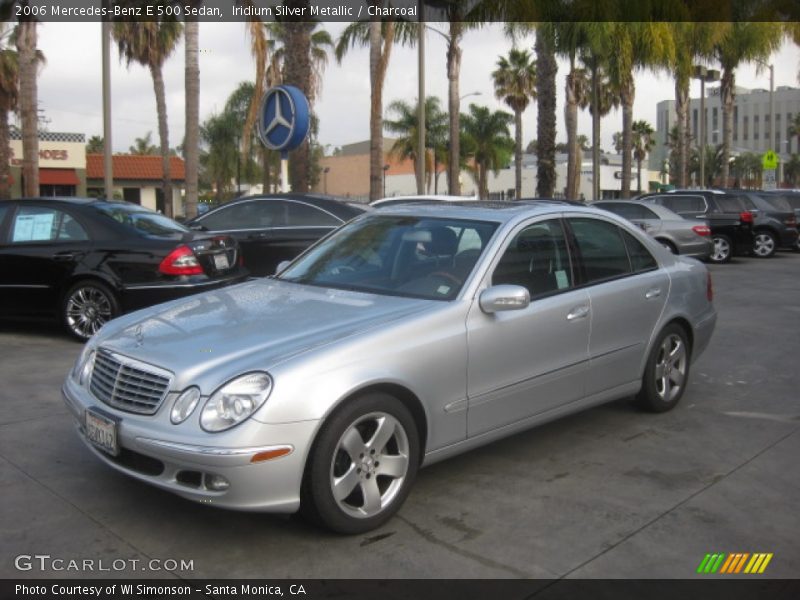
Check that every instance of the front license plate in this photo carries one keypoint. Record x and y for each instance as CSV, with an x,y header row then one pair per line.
x,y
221,262
101,431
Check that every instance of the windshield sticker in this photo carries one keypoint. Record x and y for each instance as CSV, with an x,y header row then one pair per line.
x,y
561,279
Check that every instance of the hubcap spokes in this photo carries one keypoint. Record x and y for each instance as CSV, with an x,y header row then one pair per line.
x,y
721,249
764,245
369,465
88,309
670,369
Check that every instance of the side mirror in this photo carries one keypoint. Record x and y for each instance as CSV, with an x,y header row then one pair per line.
x,y
197,227
499,298
282,265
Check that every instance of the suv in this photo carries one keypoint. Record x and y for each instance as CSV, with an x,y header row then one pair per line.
x,y
775,222
727,215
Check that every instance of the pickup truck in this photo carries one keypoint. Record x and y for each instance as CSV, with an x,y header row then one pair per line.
x,y
726,214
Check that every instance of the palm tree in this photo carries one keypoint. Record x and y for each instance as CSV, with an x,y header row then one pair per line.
x,y
643,142
791,170
28,64
546,69
713,163
143,146
487,138
192,92
95,145
405,126
9,83
794,128
218,135
743,42
602,97
693,41
150,43
380,37
515,83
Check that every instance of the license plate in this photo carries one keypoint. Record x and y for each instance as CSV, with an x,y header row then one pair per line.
x,y
101,431
221,262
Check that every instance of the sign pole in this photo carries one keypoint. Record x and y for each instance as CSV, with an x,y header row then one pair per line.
x,y
285,172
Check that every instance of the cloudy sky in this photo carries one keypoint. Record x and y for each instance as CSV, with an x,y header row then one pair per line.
x,y
70,83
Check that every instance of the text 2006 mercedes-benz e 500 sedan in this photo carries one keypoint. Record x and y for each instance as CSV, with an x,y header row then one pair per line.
x,y
407,336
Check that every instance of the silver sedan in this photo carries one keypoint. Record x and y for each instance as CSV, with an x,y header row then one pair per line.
x,y
676,234
407,336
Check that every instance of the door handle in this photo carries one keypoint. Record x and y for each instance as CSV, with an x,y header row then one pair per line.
x,y
258,236
64,256
652,293
579,312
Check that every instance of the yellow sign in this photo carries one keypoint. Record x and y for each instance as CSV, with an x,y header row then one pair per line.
x,y
769,161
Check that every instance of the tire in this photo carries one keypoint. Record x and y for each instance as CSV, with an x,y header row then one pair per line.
x,y
765,244
668,245
351,485
667,371
723,249
86,307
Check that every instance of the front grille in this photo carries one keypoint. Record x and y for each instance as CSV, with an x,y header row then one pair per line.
x,y
127,386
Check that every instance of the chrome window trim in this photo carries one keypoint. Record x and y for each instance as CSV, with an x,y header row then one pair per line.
x,y
240,202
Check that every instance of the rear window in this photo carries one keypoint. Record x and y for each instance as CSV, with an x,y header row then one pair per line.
x,y
684,204
777,202
732,203
142,221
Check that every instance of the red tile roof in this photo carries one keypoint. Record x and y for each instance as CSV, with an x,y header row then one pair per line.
x,y
134,167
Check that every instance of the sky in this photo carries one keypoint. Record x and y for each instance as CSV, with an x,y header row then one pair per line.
x,y
71,96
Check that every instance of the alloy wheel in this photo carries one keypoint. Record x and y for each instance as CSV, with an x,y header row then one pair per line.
x,y
763,245
88,308
670,368
722,250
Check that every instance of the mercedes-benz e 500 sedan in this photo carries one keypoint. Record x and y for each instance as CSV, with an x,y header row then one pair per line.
x,y
409,335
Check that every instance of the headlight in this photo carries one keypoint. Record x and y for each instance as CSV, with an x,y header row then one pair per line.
x,y
184,405
235,401
84,368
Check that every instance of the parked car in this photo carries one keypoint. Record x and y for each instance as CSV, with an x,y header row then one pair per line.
x,y
274,228
792,198
86,261
775,224
727,216
408,336
676,234
420,199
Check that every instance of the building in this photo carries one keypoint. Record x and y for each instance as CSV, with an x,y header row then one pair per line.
x,y
752,126
66,170
347,174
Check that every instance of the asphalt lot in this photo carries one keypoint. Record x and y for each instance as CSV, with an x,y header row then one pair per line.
x,y
612,492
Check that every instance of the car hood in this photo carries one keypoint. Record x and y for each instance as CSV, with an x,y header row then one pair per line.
x,y
266,321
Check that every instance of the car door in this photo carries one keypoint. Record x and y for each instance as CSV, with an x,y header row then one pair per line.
x,y
528,361
627,293
304,224
42,247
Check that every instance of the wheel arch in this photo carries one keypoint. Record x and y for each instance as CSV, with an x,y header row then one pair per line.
x,y
96,277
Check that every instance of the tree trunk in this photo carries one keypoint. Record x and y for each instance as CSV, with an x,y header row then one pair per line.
x,y
266,179
5,156
546,68
639,175
163,134
595,134
483,186
297,72
682,113
379,51
628,93
454,107
29,106
727,97
190,141
518,153
571,121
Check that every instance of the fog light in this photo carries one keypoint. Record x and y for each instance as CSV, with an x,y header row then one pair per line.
x,y
217,483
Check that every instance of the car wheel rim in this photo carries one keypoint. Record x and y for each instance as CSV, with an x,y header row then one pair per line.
x,y
670,372
763,245
369,465
668,247
721,249
88,309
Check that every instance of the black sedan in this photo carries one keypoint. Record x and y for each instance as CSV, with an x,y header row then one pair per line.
x,y
87,261
274,228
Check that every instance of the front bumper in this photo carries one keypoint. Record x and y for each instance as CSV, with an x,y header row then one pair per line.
x,y
183,465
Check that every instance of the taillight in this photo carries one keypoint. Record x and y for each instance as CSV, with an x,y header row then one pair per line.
x,y
703,230
181,261
709,288
746,216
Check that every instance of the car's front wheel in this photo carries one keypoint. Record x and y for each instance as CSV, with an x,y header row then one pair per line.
x,y
667,371
86,307
362,465
765,244
722,249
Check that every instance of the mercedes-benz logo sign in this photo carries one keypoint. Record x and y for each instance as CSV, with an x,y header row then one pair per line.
x,y
284,118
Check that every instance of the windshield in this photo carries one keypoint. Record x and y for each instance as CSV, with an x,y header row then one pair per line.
x,y
419,257
142,220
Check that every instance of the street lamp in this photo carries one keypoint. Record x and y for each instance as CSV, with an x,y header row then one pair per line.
x,y
704,75
385,168
470,94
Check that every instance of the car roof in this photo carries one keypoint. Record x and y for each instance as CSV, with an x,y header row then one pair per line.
x,y
81,201
339,207
499,212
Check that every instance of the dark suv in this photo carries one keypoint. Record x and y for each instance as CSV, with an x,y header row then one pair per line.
x,y
727,214
776,220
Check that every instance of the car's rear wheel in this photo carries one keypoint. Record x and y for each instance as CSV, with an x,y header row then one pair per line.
x,y
669,246
765,244
667,371
362,465
722,249
86,307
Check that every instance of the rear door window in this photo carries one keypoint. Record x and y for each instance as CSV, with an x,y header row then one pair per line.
x,y
304,215
247,215
602,249
734,204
